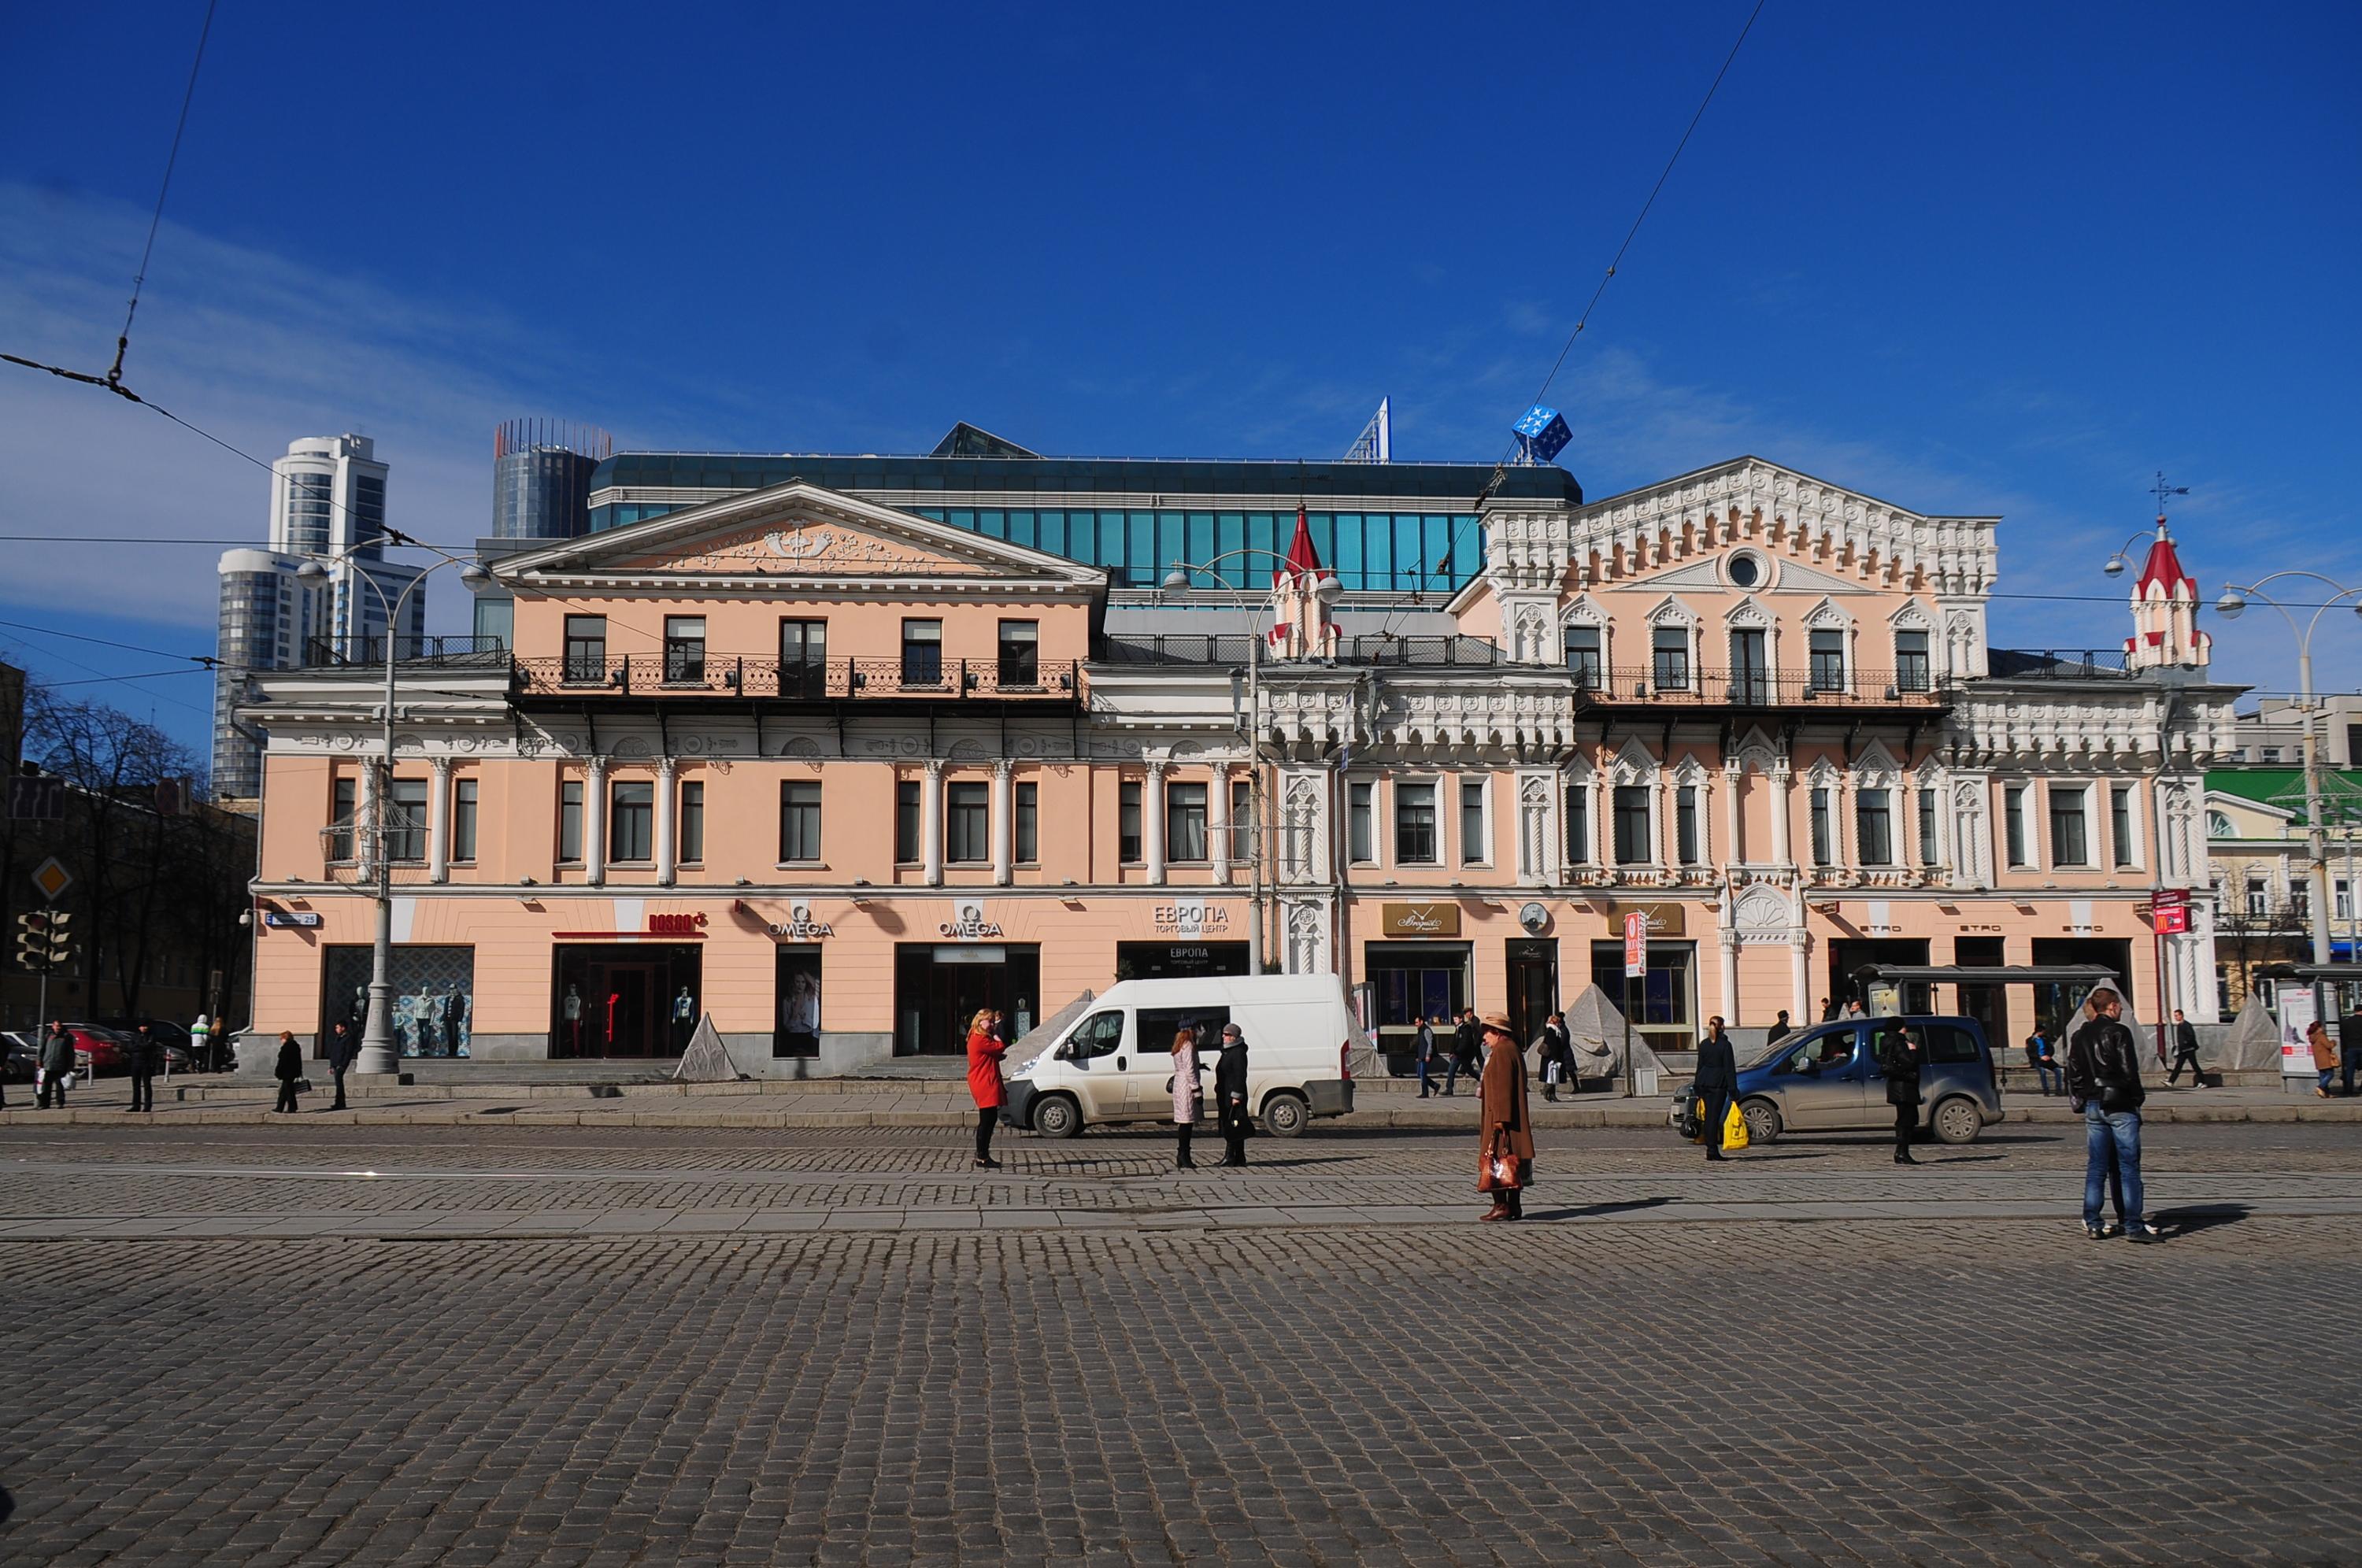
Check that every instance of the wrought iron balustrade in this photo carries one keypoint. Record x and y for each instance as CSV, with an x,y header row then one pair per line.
x,y
1690,686
834,680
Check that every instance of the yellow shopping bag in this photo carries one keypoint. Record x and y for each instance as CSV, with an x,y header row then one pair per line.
x,y
1733,1130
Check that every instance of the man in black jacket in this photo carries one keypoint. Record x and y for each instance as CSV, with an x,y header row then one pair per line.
x,y
2185,1050
58,1055
1901,1054
2104,1076
343,1047
147,1053
1231,1108
1558,1055
1716,1083
1467,1050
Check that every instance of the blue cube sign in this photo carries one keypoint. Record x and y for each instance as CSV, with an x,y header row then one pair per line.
x,y
1542,433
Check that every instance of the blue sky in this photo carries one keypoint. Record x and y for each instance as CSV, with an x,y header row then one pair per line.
x,y
2005,258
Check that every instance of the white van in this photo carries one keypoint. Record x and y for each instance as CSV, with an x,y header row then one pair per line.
x,y
1114,1061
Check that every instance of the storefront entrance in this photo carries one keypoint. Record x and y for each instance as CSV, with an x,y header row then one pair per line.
x,y
1661,1004
1411,980
1848,955
621,999
2056,1008
431,1007
1178,960
1989,1005
796,1031
939,985
1533,985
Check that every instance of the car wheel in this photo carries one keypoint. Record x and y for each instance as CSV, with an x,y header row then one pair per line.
x,y
1285,1116
1057,1117
1957,1120
1762,1121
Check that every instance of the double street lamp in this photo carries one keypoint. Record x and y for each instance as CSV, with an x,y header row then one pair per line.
x,y
2234,604
377,1052
1327,589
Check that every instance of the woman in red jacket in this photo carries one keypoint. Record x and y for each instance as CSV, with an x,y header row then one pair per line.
x,y
984,1050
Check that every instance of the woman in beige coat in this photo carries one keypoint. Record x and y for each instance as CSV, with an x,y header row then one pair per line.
x,y
1185,1094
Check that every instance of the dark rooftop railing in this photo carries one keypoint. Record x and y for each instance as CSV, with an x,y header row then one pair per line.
x,y
2056,664
1686,687
1412,652
479,652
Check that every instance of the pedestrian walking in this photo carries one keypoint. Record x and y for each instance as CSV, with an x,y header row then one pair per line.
x,y
2104,1078
289,1071
1828,1010
1184,1095
2349,1031
342,1049
2325,1056
984,1050
2043,1057
1424,1054
2185,1050
1557,1056
1507,1152
1230,1094
1716,1083
201,1045
57,1066
1781,1029
146,1054
1467,1050
1901,1056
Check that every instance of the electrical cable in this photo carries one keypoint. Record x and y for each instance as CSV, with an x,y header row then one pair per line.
x,y
96,680
155,221
207,660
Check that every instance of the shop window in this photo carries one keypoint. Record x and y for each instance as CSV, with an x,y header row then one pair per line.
x,y
1685,824
1415,825
1021,653
463,820
570,820
684,648
1671,648
2013,813
1127,822
1029,823
799,820
1584,658
1633,839
967,823
692,821
1911,670
1361,823
2120,823
799,1010
1185,822
906,822
2068,845
631,820
922,652
405,825
1828,654
1873,827
1578,825
1474,849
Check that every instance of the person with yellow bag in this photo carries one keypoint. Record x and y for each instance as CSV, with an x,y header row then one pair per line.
x,y
1716,1085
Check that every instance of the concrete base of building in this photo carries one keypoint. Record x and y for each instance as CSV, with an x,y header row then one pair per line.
x,y
509,1047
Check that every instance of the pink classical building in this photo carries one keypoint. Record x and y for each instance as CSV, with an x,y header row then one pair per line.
x,y
837,774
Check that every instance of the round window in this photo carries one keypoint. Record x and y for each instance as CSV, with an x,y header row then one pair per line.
x,y
1745,570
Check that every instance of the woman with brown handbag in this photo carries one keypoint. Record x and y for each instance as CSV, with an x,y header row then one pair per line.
x,y
1507,1147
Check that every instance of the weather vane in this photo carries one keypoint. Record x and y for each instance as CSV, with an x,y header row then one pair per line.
x,y
2162,490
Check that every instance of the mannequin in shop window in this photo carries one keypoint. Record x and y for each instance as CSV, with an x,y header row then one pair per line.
x,y
572,1008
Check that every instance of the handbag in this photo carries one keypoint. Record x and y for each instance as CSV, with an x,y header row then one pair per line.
x,y
1689,1117
1733,1130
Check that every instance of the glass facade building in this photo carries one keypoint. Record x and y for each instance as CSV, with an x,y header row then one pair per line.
x,y
541,478
1387,528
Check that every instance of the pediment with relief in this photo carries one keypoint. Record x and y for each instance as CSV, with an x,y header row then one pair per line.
x,y
804,546
1788,576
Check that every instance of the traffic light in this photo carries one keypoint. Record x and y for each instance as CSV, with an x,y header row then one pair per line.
x,y
33,940
60,943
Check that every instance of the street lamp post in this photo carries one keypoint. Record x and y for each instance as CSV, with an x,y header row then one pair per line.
x,y
2233,603
377,1052
1328,591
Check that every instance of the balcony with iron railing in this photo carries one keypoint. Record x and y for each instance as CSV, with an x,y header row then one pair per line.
x,y
1686,686
585,677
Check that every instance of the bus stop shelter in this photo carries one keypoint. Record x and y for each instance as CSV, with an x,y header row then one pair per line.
x,y
2069,983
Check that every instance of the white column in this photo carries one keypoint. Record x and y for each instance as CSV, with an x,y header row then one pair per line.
x,y
1732,772
931,823
1152,807
1729,944
1004,825
1217,819
1800,982
1848,853
667,821
1782,777
594,822
438,820
1661,820
1599,840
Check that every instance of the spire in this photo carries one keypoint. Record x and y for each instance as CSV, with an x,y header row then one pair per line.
x,y
2165,612
1300,626
2163,569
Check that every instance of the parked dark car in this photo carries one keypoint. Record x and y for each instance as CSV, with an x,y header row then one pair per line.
x,y
20,1055
99,1051
1829,1078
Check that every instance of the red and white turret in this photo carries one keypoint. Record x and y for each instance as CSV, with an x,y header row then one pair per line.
x,y
2165,613
1301,625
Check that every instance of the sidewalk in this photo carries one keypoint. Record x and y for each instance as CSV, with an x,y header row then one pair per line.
x,y
862,1103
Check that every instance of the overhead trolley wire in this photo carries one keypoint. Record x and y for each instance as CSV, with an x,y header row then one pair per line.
x,y
156,220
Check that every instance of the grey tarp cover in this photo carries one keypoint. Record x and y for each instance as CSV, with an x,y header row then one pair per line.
x,y
707,1060
2254,1040
1598,1029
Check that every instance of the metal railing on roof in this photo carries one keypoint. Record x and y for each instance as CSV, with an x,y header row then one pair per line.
x,y
2057,664
1232,649
332,653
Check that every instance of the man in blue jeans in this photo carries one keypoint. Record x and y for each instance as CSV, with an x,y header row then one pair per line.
x,y
2104,1075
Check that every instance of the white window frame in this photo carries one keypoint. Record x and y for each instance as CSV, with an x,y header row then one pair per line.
x,y
1433,784
1484,855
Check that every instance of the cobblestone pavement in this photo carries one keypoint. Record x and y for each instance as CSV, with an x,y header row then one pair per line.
x,y
1300,1363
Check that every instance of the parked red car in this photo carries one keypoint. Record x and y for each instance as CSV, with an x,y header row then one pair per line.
x,y
98,1049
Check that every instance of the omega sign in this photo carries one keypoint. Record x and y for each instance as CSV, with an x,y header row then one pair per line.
x,y
967,923
1192,920
800,926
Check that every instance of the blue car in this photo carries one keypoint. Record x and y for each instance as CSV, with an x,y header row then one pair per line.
x,y
1828,1078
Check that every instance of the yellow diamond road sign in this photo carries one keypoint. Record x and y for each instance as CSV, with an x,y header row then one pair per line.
x,y
51,878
